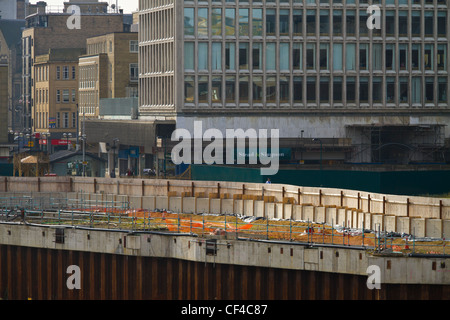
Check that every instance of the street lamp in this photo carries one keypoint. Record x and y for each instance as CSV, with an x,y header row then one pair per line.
x,y
46,136
83,138
67,136
113,172
321,151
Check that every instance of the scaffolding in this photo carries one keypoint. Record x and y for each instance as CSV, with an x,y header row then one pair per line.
x,y
398,144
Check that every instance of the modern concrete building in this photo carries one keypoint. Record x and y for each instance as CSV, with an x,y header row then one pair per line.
x,y
13,9
45,30
4,102
312,69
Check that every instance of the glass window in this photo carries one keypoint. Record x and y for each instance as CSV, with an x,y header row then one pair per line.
x,y
270,22
363,30
189,87
351,89
415,56
324,89
284,56
203,89
390,89
363,89
244,91
243,22
337,22
298,22
403,56
429,23
271,89
216,21
390,23
337,56
216,59
202,27
324,22
311,89
66,95
297,55
390,56
350,22
442,89
350,56
311,22
189,19
202,56
243,55
270,56
429,89
363,56
377,92
230,22
58,96
257,56
258,89
337,89
324,56
284,89
403,89
403,23
377,56
230,89
188,55
428,56
230,52
216,89
415,24
257,23
442,57
416,89
284,22
297,92
442,24
311,56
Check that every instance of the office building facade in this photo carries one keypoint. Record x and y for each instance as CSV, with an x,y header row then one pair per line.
x,y
312,69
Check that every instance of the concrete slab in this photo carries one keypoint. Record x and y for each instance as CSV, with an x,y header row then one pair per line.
x,y
330,215
270,210
175,204
308,213
403,225
248,208
203,205
189,205
297,212
215,206
135,202
341,217
162,202
259,208
319,214
288,211
418,227
390,223
433,228
377,222
148,203
278,210
227,206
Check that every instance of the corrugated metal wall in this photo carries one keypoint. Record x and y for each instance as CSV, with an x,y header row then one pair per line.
x,y
40,274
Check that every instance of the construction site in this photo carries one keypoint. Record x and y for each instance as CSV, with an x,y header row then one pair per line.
x,y
127,233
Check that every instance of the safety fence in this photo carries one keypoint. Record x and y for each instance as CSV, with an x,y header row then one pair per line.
x,y
231,226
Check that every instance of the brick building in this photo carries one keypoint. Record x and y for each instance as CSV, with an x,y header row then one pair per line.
x,y
45,30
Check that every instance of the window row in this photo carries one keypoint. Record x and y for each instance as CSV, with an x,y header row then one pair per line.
x,y
286,56
313,2
63,120
66,73
41,73
270,89
156,25
245,22
66,96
